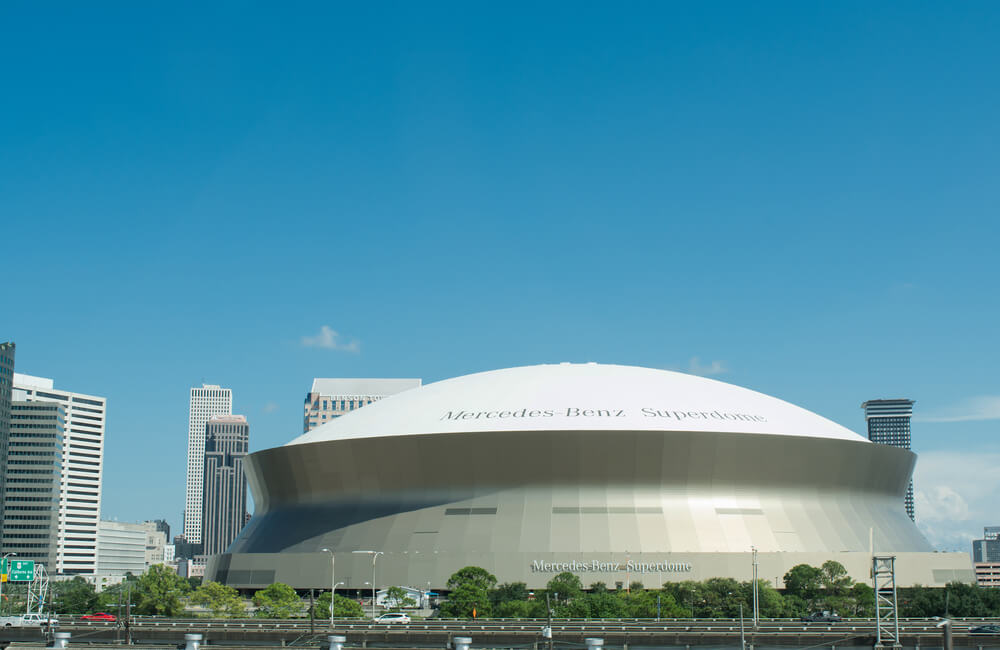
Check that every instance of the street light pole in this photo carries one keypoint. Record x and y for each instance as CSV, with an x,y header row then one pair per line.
x,y
333,583
756,594
743,643
7,569
374,555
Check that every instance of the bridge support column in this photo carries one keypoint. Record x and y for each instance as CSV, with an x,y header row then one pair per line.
x,y
461,642
192,641
61,639
336,641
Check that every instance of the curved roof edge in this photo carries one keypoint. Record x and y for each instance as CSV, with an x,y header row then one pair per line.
x,y
578,397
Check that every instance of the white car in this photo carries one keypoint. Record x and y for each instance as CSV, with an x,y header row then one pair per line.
x,y
394,618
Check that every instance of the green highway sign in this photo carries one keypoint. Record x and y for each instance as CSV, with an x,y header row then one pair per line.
x,y
18,570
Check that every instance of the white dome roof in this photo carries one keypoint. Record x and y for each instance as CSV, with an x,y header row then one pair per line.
x,y
577,397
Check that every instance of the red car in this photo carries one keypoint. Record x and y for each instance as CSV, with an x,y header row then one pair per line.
x,y
99,616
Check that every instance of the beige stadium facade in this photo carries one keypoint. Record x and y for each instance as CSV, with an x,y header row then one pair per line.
x,y
615,473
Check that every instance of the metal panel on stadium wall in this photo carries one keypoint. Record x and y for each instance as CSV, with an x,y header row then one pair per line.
x,y
612,507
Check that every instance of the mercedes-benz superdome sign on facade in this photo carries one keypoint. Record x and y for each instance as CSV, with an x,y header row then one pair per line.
x,y
614,473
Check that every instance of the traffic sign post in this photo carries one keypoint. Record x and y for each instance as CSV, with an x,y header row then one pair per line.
x,y
18,570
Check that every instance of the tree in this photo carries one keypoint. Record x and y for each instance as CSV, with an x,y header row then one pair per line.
x,y
396,597
509,591
687,593
769,599
642,604
219,599
346,607
836,581
605,604
863,600
113,596
722,598
470,597
805,582
517,609
159,592
277,601
76,596
567,585
836,586
472,575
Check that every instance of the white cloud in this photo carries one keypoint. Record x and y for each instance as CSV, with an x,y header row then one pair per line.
x,y
270,407
329,339
955,496
986,407
696,367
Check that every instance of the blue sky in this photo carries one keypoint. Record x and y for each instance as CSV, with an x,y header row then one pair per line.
x,y
800,198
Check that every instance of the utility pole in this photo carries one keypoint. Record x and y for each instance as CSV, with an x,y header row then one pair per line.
x,y
118,623
128,615
756,595
548,607
743,643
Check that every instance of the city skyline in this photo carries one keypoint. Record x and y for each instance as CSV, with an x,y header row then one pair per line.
x,y
798,199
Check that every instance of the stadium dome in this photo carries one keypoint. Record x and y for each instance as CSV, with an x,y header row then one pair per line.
x,y
575,397
612,472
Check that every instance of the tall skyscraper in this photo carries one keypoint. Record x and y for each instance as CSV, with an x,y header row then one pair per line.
x,y
33,487
889,424
206,402
225,504
6,385
331,398
82,470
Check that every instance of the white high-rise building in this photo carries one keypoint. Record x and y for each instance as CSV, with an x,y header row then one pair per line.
x,y
123,548
82,471
206,402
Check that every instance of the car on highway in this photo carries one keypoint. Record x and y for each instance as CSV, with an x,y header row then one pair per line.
x,y
985,629
394,618
99,616
825,616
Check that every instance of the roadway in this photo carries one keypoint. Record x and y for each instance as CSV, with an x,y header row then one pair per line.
x,y
520,633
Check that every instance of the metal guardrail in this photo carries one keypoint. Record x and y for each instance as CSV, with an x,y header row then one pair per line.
x,y
769,626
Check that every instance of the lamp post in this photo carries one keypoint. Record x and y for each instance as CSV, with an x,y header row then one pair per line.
x,y
374,555
333,585
756,594
743,643
7,569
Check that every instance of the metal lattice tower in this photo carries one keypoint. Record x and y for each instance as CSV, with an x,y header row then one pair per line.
x,y
886,613
38,591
